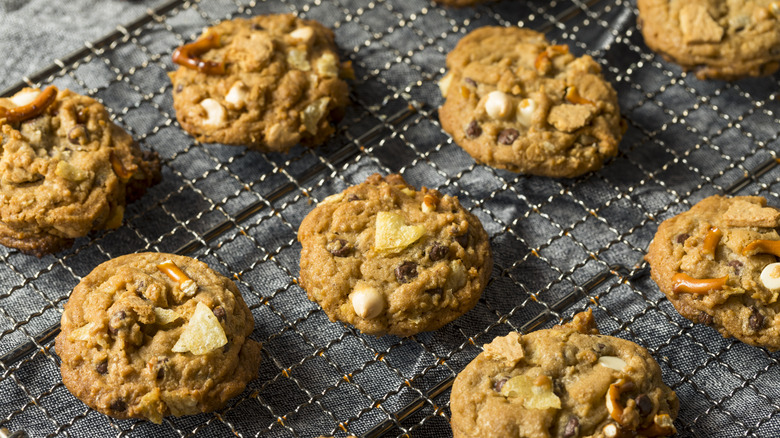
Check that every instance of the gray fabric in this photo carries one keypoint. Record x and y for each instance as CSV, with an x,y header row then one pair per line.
x,y
561,245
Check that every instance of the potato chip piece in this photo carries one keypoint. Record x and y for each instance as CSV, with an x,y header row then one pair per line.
x,y
82,333
535,396
392,234
202,333
165,316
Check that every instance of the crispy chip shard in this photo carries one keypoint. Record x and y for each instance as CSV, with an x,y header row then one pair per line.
x,y
534,396
165,316
202,333
392,233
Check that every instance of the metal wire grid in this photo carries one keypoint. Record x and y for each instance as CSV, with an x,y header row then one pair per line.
x,y
560,245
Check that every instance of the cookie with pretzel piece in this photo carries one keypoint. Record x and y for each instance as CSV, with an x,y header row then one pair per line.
x,y
65,169
150,335
268,83
390,259
717,39
516,102
718,265
564,382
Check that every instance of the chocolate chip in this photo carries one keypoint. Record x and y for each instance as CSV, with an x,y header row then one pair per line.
x,y
118,405
473,130
339,247
470,81
438,252
508,136
353,197
644,405
601,346
705,318
463,240
736,264
627,387
102,367
162,363
256,26
179,88
435,291
219,312
76,133
499,384
572,428
681,238
115,321
406,271
756,320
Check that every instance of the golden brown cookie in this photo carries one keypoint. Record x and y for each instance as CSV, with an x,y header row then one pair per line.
x,y
152,334
717,39
518,103
268,82
388,258
564,382
718,265
65,169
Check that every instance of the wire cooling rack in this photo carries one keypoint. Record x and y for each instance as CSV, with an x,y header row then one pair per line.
x,y
560,245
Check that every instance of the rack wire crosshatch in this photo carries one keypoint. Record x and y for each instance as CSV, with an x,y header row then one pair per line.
x,y
560,246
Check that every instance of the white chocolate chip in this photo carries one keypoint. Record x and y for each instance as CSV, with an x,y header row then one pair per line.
x,y
610,430
24,97
238,94
613,362
444,84
189,287
770,276
215,112
525,111
498,105
303,34
327,65
367,301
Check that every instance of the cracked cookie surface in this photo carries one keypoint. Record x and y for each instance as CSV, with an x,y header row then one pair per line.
x,y
718,265
149,335
514,101
563,382
65,169
268,82
390,259
717,39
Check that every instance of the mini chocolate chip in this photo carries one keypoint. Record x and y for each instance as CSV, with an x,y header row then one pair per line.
x,y
644,405
572,428
353,197
705,318
406,271
499,384
256,26
76,133
756,320
736,264
219,312
116,318
179,88
435,291
681,238
601,346
508,136
118,405
463,240
438,252
470,81
160,373
339,247
102,367
473,130
161,365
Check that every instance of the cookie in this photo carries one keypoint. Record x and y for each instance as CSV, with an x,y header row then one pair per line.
x,y
563,382
268,83
717,39
390,259
718,265
515,102
65,170
152,334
